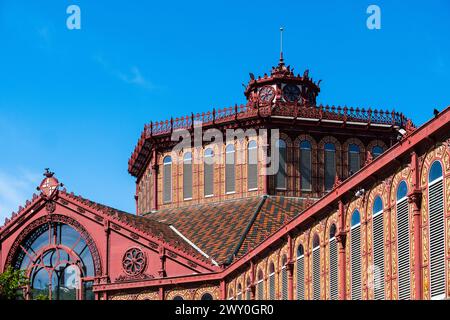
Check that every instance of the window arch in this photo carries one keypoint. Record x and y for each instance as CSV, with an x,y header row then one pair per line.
x,y
230,294
354,162
230,172
305,165
330,165
284,279
271,281
300,266
436,231
58,259
252,165
281,176
260,286
178,298
334,268
248,293
377,151
378,249
208,173
316,271
207,296
187,176
167,177
403,243
355,256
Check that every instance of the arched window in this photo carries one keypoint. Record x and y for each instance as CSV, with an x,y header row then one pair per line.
x,y
378,249
284,279
167,177
187,176
281,177
230,294
300,266
305,165
316,272
403,243
330,166
207,296
208,173
271,282
230,184
334,268
178,298
377,151
239,292
248,292
355,255
437,231
58,259
354,163
252,166
260,286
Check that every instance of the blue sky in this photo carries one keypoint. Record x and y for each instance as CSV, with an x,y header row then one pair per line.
x,y
77,100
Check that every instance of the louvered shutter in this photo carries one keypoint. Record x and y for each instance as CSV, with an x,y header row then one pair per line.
x,y
229,172
334,271
330,169
316,273
437,239
284,283
208,176
187,178
248,295
355,255
281,174
403,244
378,256
272,286
260,288
252,168
301,277
167,189
305,169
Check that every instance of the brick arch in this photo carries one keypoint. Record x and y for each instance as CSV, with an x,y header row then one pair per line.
x,y
123,297
345,149
403,173
186,294
148,296
212,290
441,153
378,190
332,219
321,161
356,204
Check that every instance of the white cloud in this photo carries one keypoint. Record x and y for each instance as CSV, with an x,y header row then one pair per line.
x,y
15,189
132,76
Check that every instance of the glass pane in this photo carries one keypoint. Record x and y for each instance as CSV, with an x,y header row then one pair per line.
x,y
377,205
402,190
435,171
356,218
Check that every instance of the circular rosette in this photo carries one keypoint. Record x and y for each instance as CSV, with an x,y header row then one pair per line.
x,y
134,261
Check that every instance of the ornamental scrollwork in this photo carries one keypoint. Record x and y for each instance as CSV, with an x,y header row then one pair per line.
x,y
134,261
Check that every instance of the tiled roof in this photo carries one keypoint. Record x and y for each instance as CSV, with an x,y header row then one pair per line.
x,y
230,228
154,228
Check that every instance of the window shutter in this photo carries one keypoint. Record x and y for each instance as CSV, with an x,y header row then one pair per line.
x,y
248,295
334,271
403,254
330,169
272,286
208,176
187,179
261,290
378,256
239,296
301,277
167,190
284,283
316,273
281,174
437,239
355,256
229,172
305,169
252,168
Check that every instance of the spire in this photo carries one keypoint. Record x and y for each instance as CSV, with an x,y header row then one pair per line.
x,y
281,47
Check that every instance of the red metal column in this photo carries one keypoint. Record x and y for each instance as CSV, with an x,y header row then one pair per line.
x,y
340,239
290,269
155,180
223,290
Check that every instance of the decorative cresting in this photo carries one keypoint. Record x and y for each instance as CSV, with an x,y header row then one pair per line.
x,y
55,218
134,261
436,153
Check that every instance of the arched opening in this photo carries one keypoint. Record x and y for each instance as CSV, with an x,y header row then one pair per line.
x,y
167,177
330,165
355,256
354,163
271,281
300,266
316,271
281,176
305,166
207,296
378,249
208,173
187,176
230,172
252,166
403,243
284,278
334,268
239,292
260,286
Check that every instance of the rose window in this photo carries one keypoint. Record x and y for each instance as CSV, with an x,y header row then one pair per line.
x,y
134,261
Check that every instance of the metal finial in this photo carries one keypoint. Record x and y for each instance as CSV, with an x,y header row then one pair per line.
x,y
281,45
